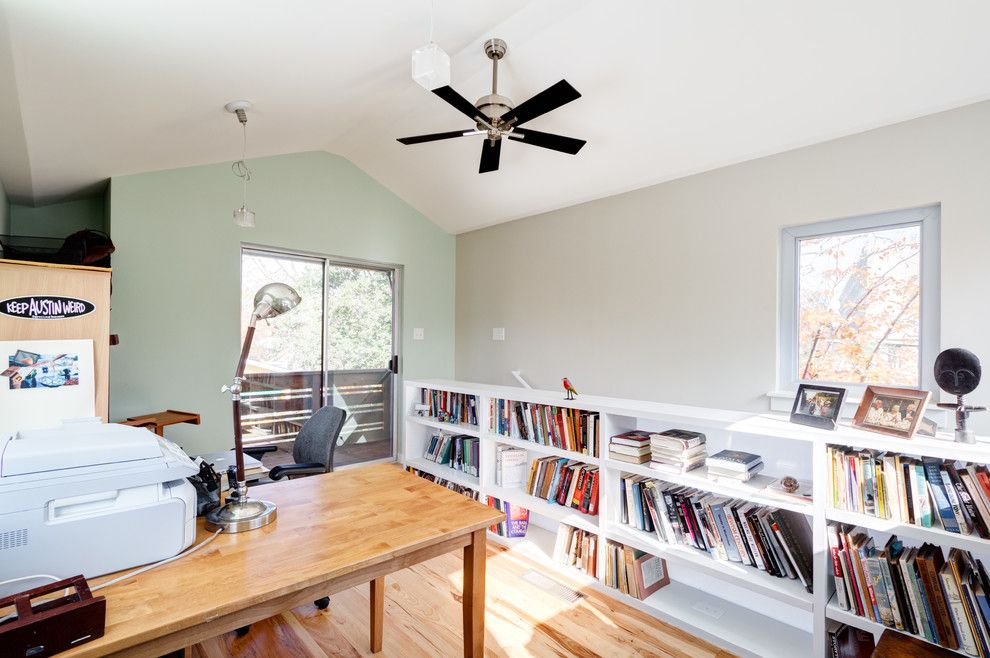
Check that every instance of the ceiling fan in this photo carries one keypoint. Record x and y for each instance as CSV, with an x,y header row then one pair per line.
x,y
496,117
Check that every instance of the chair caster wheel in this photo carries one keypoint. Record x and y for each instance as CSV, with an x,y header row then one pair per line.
x,y
243,630
323,603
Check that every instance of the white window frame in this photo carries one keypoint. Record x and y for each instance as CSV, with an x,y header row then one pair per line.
x,y
928,218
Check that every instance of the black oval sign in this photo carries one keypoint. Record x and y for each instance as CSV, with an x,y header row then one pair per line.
x,y
45,307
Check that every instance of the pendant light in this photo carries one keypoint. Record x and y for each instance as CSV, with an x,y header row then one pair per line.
x,y
243,216
430,64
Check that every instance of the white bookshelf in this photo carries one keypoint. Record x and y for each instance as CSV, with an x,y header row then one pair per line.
x,y
739,608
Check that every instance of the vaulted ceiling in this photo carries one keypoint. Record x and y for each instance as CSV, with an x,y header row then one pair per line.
x,y
91,89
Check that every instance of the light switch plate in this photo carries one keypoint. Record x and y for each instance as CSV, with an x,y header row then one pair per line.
x,y
418,333
498,333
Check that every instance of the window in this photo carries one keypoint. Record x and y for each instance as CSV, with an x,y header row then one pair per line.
x,y
859,300
335,348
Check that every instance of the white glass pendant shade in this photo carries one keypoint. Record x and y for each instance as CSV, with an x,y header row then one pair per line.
x,y
244,217
431,67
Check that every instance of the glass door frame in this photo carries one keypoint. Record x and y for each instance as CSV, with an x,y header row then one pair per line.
x,y
396,270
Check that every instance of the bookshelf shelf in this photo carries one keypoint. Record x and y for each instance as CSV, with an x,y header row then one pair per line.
x,y
833,611
543,449
750,491
454,428
933,535
445,472
739,608
782,589
539,506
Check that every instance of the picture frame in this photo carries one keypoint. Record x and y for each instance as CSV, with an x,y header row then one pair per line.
x,y
818,406
893,411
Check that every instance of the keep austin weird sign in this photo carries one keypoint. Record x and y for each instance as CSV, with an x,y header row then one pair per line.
x,y
45,307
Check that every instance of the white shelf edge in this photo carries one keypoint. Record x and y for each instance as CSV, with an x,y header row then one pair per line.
x,y
445,472
785,590
454,428
740,491
933,535
545,449
539,506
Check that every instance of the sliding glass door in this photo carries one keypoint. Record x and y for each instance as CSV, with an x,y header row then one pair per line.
x,y
338,347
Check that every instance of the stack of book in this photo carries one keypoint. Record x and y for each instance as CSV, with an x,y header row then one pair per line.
x,y
450,407
566,482
632,447
927,492
510,466
458,451
677,451
576,548
915,590
516,521
734,465
846,641
775,541
633,572
561,427
453,486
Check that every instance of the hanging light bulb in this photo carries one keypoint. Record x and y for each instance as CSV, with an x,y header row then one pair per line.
x,y
430,64
243,216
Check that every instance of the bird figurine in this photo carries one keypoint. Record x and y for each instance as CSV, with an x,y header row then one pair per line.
x,y
569,389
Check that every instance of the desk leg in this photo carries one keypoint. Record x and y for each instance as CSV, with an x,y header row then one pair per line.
x,y
377,613
474,595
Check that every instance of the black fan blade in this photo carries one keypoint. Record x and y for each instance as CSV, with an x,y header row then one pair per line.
x,y
460,103
549,99
547,140
489,156
432,137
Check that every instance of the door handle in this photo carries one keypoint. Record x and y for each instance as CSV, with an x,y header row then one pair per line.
x,y
394,364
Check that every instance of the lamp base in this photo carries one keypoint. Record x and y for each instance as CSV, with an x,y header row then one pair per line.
x,y
240,516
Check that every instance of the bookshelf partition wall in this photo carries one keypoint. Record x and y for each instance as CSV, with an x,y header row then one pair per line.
x,y
737,607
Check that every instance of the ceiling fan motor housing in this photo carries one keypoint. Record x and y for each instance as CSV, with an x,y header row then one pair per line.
x,y
493,106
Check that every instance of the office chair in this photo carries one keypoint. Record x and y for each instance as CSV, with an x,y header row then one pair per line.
x,y
313,454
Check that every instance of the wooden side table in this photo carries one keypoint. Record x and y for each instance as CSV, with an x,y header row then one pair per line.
x,y
158,421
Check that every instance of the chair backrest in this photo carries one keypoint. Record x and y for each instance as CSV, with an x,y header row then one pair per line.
x,y
317,438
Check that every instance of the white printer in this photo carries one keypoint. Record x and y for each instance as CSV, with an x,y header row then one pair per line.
x,y
91,498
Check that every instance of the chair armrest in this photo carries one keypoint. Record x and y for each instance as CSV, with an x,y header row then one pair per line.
x,y
281,471
258,451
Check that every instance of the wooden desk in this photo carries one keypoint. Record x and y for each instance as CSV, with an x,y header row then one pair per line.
x,y
162,419
333,532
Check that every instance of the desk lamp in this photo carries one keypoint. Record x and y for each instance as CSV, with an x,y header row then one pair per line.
x,y
242,513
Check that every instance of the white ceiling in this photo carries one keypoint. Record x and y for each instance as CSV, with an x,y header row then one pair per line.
x,y
95,88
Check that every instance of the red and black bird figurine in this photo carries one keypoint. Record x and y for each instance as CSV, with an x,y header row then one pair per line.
x,y
569,389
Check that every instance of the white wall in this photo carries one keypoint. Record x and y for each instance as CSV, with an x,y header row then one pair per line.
x,y
4,212
670,292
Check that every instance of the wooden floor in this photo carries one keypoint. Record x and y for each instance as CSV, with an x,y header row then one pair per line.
x,y
423,618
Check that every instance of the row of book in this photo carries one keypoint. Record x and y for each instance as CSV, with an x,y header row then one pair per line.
x,y
565,482
453,486
510,466
926,492
632,571
576,548
561,427
448,407
772,540
915,590
459,451
516,522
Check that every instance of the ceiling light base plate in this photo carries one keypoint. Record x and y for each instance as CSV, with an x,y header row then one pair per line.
x,y
233,106
495,48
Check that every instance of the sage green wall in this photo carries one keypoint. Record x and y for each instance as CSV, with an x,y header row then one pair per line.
x,y
176,275
4,212
59,220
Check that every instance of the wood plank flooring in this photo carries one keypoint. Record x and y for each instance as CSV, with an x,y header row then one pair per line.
x,y
423,618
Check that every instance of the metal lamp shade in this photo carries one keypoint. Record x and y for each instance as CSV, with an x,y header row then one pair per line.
x,y
274,299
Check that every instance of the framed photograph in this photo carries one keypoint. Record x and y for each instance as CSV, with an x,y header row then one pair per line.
x,y
896,411
817,406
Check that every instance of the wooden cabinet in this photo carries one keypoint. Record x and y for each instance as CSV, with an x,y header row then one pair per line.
x,y
91,284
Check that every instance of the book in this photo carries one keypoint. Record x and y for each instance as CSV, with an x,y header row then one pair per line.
x,y
516,521
677,439
448,407
734,461
511,465
575,430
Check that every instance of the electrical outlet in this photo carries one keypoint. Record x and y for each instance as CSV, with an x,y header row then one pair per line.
x,y
498,333
418,333
709,609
